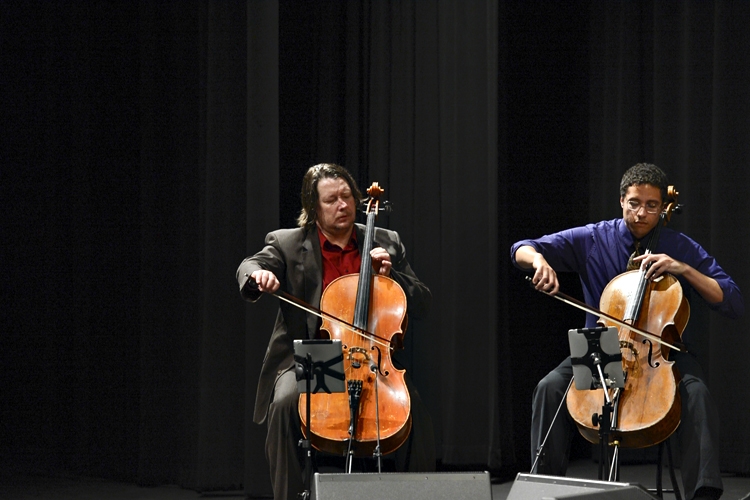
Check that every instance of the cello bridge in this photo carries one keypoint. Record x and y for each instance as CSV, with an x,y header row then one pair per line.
x,y
357,356
629,345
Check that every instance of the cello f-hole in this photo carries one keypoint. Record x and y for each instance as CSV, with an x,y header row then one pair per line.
x,y
650,354
380,354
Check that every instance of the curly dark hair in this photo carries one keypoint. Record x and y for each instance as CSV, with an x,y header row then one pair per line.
x,y
309,196
644,173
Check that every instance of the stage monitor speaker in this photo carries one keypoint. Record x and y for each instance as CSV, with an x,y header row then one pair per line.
x,y
403,486
538,487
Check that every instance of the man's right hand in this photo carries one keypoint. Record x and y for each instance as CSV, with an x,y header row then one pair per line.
x,y
545,278
266,281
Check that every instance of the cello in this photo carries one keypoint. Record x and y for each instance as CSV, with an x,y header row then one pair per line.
x,y
373,416
648,407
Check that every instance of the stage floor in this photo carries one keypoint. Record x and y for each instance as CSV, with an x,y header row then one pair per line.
x,y
19,485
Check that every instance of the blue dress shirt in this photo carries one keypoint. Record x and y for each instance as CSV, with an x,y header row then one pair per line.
x,y
599,252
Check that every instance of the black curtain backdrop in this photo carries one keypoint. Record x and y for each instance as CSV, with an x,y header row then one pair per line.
x,y
148,147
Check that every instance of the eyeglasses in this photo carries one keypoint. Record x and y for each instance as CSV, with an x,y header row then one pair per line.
x,y
652,207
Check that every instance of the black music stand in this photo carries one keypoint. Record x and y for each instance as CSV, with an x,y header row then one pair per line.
x,y
322,360
590,349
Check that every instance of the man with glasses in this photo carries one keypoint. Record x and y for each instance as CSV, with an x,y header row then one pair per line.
x,y
598,253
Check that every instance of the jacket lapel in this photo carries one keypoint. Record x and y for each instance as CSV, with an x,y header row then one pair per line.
x,y
360,235
313,271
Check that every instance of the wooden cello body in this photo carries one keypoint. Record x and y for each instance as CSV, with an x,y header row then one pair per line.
x,y
380,412
648,411
648,407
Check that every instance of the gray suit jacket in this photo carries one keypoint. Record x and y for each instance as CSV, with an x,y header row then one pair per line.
x,y
294,256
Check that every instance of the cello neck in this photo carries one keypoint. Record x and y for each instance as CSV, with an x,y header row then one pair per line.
x,y
362,304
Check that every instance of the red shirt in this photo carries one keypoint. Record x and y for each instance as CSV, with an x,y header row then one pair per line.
x,y
337,261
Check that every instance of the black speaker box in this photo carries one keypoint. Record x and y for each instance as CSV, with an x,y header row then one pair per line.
x,y
403,486
538,487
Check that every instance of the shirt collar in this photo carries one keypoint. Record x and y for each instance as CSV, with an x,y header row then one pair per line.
x,y
324,243
629,240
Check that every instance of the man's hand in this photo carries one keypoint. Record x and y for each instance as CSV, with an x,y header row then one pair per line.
x,y
381,261
545,278
266,281
660,263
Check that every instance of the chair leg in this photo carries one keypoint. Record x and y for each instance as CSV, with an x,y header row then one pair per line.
x,y
672,477
659,491
659,455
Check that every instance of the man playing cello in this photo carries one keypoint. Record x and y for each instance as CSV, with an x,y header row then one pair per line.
x,y
598,253
303,262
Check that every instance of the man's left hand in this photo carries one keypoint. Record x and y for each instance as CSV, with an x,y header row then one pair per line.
x,y
381,261
660,264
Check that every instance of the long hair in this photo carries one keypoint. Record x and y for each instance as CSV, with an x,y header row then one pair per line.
x,y
309,196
